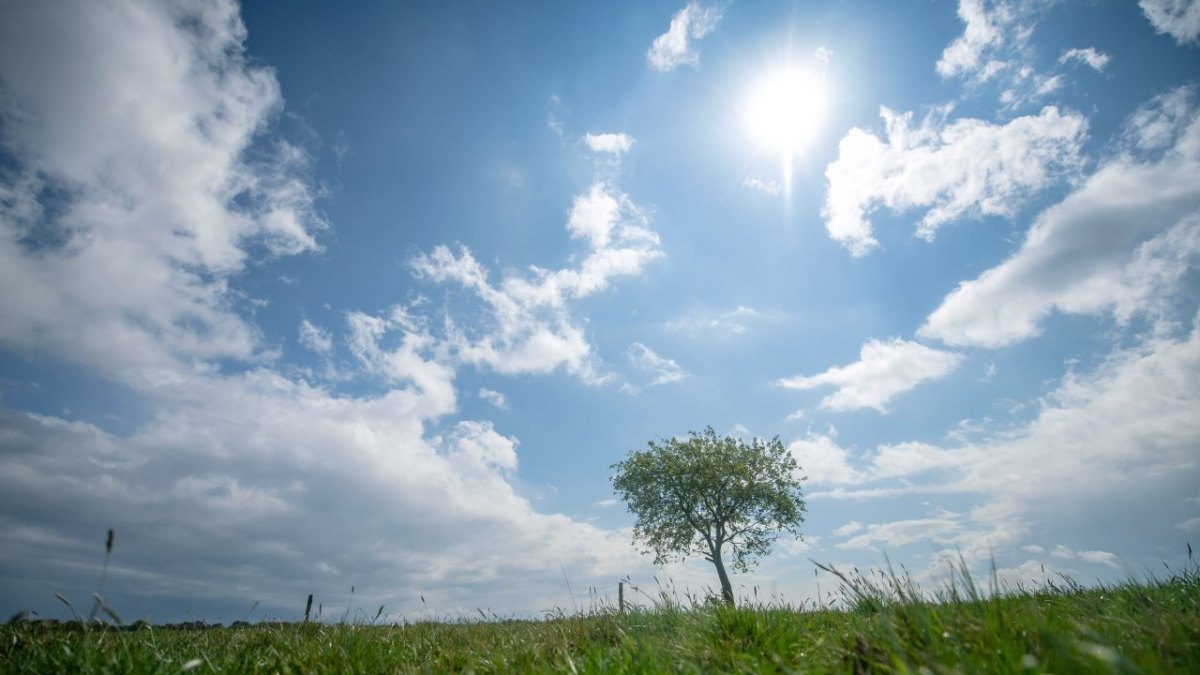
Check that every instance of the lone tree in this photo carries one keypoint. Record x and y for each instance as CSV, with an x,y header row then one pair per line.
x,y
713,497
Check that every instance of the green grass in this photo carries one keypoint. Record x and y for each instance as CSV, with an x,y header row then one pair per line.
x,y
889,626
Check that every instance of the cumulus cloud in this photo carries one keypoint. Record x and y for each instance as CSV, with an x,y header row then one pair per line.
x,y
1119,243
1178,18
132,198
404,355
1134,415
884,370
524,324
613,144
967,167
823,461
673,48
258,487
826,463
1096,60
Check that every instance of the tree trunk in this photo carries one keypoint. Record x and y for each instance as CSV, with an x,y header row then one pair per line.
x,y
726,587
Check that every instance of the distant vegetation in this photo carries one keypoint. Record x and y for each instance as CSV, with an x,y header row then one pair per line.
x,y
883,624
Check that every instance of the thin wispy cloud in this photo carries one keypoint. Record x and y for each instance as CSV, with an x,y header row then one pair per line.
x,y
706,323
765,186
997,49
655,370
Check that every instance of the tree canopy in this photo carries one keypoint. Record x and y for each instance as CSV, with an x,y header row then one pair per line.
x,y
711,496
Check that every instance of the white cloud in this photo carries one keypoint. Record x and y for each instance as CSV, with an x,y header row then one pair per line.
x,y
1030,574
315,338
709,324
947,528
827,463
248,486
902,460
122,225
884,370
524,325
1117,441
823,461
1034,549
658,369
605,503
1096,60
1095,557
1120,243
673,48
967,167
417,360
795,546
480,446
1178,18
848,529
996,48
985,31
494,397
613,144
770,187
1134,417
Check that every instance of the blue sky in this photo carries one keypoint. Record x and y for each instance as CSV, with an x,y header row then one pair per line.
x,y
303,298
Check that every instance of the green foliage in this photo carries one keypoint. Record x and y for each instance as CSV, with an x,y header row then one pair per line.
x,y
708,496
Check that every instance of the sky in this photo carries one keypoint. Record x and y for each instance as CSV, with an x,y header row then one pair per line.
x,y
363,300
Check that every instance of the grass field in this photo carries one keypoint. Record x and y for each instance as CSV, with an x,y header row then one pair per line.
x,y
886,626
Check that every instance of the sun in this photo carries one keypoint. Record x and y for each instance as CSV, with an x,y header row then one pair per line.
x,y
784,110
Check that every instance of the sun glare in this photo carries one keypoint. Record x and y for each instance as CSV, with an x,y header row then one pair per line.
x,y
784,110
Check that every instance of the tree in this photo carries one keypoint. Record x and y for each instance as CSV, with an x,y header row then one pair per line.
x,y
709,496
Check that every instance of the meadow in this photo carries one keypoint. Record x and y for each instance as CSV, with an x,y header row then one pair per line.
x,y
882,622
